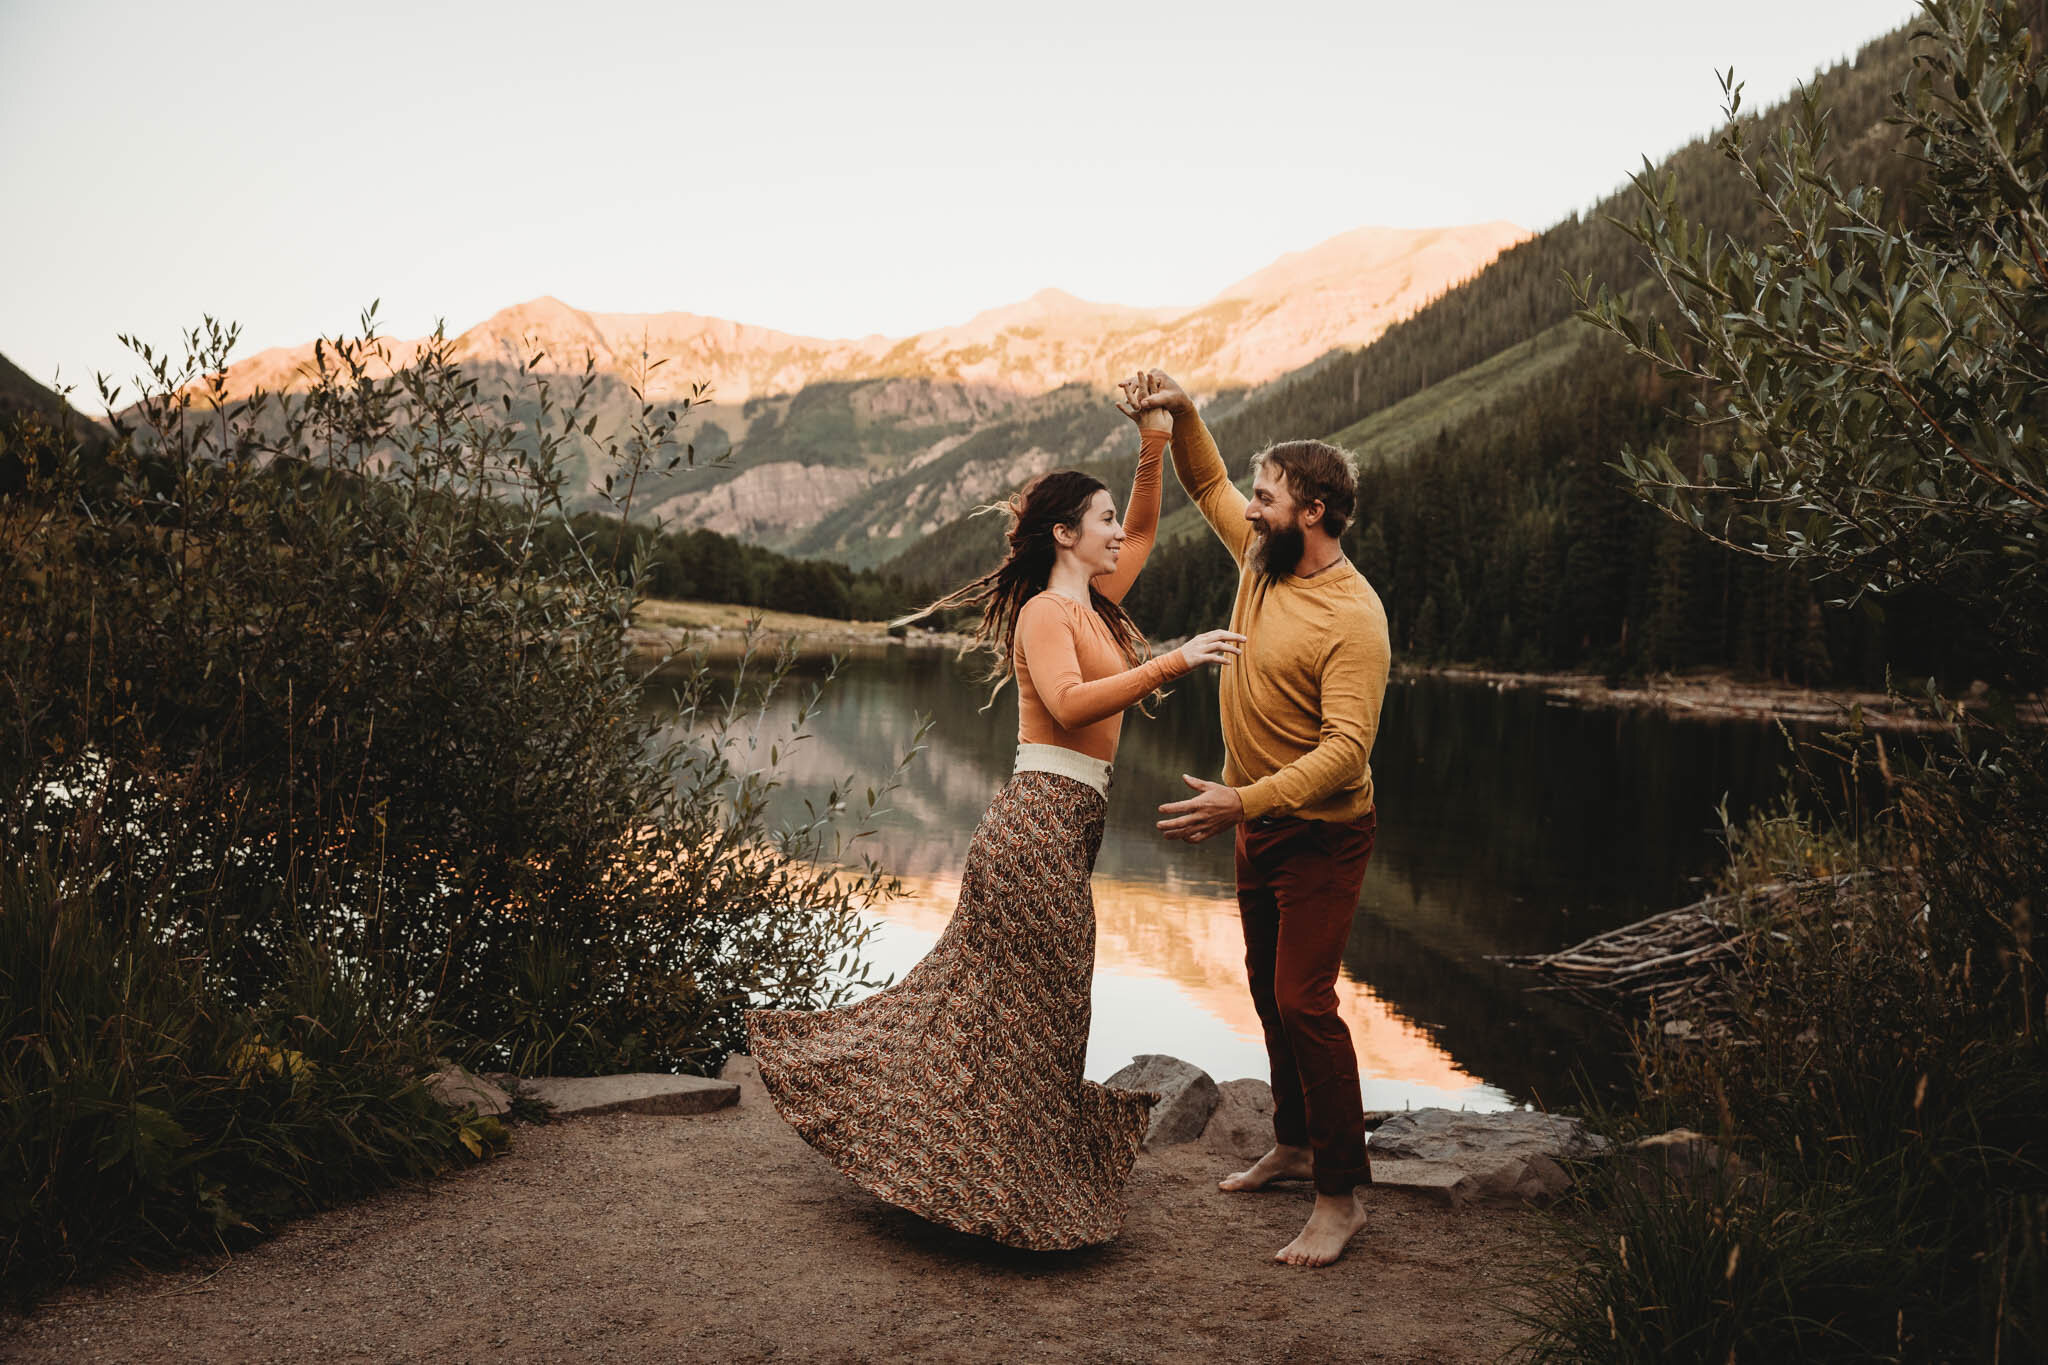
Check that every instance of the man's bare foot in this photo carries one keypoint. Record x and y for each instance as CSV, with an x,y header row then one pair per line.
x,y
1282,1163
1335,1219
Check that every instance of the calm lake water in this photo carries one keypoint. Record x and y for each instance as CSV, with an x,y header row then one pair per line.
x,y
1508,823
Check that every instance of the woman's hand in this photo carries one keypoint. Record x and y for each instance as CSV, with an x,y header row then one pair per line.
x,y
1159,390
1212,647
1134,391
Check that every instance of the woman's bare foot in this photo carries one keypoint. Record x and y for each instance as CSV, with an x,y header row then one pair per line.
x,y
1335,1219
1282,1163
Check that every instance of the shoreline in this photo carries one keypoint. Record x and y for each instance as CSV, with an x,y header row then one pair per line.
x,y
661,628
1712,695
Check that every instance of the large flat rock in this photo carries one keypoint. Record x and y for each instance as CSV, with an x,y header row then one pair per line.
x,y
1440,1180
1459,1135
633,1093
1461,1156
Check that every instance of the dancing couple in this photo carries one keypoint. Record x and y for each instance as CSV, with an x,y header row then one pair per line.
x,y
957,1093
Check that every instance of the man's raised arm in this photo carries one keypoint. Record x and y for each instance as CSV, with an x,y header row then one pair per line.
x,y
1199,464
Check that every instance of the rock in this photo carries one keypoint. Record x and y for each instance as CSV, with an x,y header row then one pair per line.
x,y
633,1093
1186,1097
1457,1134
456,1088
1465,1156
740,1069
768,500
1440,1180
1243,1122
1684,1160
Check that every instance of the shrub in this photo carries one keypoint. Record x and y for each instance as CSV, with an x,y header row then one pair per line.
x,y
1873,394
322,766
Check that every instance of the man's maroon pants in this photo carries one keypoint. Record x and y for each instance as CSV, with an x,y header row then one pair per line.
x,y
1297,886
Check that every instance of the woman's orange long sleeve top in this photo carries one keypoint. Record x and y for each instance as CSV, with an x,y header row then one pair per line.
x,y
1073,684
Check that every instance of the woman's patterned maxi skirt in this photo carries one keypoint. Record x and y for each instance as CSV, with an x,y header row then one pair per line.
x,y
957,1093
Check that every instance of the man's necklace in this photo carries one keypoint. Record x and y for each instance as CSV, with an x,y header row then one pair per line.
x,y
1325,569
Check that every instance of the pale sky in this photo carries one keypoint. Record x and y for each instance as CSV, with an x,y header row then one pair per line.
x,y
826,169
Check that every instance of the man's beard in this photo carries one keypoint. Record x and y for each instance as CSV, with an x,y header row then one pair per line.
x,y
1277,552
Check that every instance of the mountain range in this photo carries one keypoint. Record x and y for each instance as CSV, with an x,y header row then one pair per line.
x,y
854,449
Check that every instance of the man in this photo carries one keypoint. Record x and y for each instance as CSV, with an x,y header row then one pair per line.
x,y
1299,709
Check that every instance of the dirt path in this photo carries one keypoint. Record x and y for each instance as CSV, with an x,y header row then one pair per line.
x,y
725,1238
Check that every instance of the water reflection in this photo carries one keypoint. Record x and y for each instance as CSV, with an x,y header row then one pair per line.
x,y
1507,824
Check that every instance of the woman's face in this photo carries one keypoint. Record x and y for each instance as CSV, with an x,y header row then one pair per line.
x,y
1099,537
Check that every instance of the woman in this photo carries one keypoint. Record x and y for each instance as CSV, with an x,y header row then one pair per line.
x,y
957,1093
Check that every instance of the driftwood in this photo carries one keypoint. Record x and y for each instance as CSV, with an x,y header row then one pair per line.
x,y
1677,964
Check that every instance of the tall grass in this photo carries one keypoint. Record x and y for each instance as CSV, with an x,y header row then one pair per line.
x,y
1883,1083
143,1111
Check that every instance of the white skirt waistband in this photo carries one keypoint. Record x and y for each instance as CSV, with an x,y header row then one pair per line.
x,y
1051,758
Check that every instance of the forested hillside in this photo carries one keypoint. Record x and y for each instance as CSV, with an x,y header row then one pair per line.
x,y
704,566
1490,519
1522,293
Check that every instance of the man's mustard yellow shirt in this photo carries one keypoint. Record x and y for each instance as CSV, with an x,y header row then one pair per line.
x,y
1301,705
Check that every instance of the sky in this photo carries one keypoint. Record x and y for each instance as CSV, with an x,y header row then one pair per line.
x,y
824,169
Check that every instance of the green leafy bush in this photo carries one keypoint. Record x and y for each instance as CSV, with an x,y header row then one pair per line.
x,y
1877,391
318,766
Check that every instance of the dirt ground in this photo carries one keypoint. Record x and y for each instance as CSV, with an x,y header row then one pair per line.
x,y
723,1237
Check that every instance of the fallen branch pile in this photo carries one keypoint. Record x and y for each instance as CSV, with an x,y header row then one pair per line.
x,y
1678,963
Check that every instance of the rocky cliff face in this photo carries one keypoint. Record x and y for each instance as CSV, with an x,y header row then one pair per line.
x,y
755,505
854,447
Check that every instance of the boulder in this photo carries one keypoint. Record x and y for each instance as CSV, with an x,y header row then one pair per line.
x,y
457,1088
1682,1161
1186,1097
632,1093
1242,1125
1464,1156
741,1069
1440,1180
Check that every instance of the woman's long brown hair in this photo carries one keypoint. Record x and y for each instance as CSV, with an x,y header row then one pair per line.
x,y
1059,498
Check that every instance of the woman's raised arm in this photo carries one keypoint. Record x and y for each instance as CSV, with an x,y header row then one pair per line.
x,y
1141,513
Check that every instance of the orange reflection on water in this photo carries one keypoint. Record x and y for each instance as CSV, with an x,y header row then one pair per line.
x,y
1190,937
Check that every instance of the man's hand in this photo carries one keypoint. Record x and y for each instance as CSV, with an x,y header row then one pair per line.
x,y
1211,810
1162,392
1134,391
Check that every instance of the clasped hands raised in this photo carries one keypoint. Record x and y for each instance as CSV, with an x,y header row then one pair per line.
x,y
1152,399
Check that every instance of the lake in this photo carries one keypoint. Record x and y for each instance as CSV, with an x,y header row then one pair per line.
x,y
1508,823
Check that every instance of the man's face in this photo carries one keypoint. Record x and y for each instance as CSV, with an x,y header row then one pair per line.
x,y
1276,518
